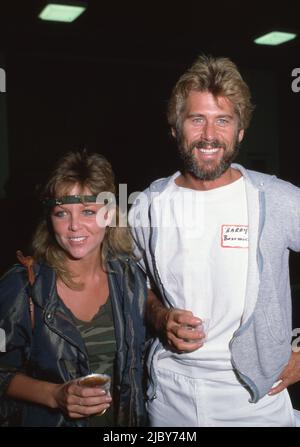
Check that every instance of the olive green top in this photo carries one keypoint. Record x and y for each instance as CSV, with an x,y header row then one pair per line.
x,y
99,338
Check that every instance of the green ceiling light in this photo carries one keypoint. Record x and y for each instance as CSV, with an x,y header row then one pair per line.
x,y
275,38
62,12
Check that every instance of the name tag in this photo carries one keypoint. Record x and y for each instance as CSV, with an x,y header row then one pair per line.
x,y
234,236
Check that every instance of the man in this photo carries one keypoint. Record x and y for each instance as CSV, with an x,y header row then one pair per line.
x,y
214,241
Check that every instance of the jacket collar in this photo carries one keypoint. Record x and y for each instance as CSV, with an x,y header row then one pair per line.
x,y
44,287
259,180
44,295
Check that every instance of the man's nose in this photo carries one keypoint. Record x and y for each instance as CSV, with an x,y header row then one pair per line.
x,y
209,131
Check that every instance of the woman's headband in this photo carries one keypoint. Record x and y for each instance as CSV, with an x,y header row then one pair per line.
x,y
67,200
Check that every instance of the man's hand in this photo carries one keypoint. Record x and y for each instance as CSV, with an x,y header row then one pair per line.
x,y
176,327
290,374
183,332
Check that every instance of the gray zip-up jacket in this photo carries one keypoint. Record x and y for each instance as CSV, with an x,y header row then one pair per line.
x,y
261,347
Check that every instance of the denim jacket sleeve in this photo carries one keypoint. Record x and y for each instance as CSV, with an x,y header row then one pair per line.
x,y
15,333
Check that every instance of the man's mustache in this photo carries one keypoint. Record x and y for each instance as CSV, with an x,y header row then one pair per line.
x,y
205,144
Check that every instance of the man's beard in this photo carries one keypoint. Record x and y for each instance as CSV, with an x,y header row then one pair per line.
x,y
209,170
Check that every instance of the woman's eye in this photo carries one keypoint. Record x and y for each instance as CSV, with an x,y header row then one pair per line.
x,y
88,212
60,213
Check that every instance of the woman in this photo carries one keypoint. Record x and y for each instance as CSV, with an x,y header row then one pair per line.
x,y
88,301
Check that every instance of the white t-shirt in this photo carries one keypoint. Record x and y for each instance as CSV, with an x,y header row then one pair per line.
x,y
202,259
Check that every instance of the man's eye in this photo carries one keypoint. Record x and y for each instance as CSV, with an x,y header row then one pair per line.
x,y
197,120
222,121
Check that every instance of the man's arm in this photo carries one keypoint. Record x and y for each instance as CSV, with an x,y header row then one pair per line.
x,y
177,328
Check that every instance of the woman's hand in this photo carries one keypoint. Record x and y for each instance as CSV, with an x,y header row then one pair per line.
x,y
80,401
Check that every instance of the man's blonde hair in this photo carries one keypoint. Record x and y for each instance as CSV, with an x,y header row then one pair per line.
x,y
218,76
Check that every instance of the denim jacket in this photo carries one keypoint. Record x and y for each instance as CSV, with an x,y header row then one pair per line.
x,y
55,352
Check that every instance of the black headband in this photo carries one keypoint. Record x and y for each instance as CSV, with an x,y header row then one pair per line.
x,y
67,200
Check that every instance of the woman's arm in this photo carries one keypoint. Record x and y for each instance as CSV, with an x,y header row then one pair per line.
x,y
26,388
72,399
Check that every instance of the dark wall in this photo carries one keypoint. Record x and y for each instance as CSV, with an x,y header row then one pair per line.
x,y
61,100
56,103
117,107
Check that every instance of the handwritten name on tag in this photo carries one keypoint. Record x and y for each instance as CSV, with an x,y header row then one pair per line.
x,y
234,236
